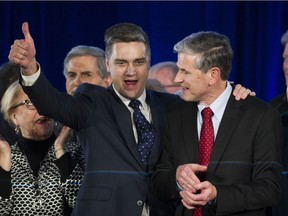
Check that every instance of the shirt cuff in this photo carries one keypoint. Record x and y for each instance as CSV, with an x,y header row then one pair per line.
x,y
179,187
30,80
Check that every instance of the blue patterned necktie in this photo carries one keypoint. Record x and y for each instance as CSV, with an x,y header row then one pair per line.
x,y
145,131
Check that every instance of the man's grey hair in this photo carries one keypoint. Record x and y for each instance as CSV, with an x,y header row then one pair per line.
x,y
83,50
211,50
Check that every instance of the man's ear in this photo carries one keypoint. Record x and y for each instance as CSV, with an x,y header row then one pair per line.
x,y
108,81
215,75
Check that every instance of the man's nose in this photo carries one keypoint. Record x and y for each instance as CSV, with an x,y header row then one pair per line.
x,y
178,78
78,81
131,70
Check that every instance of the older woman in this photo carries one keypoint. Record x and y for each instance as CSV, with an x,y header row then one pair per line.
x,y
37,175
9,73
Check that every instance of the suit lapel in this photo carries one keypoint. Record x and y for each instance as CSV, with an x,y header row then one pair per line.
x,y
230,120
123,124
189,128
157,111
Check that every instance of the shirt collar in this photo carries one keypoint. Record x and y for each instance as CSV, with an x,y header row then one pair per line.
x,y
217,105
126,101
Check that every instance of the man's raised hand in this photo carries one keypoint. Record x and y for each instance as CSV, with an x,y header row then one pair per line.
x,y
23,52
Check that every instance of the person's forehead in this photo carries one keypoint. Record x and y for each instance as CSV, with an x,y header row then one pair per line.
x,y
164,73
132,51
185,58
121,46
82,63
82,59
20,96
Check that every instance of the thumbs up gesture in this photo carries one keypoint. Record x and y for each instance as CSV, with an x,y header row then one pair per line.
x,y
23,52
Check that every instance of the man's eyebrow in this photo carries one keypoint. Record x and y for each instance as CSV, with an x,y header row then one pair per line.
x,y
138,59
117,59
86,72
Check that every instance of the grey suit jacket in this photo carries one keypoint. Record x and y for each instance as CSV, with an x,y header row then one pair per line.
x,y
245,164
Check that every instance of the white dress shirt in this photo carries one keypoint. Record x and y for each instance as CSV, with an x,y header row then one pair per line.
x,y
218,108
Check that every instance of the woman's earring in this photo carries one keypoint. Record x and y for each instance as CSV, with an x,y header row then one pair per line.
x,y
17,130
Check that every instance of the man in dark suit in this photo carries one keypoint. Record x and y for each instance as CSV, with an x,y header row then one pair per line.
x,y
280,101
242,175
282,208
115,180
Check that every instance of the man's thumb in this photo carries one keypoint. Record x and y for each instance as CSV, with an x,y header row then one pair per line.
x,y
25,30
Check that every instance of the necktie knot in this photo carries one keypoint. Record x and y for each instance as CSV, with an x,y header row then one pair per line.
x,y
134,104
207,113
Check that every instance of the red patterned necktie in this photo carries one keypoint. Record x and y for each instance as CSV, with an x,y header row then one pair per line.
x,y
205,144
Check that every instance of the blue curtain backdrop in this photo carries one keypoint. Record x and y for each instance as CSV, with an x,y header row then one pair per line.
x,y
254,29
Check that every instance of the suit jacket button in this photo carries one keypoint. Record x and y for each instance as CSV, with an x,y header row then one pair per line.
x,y
139,202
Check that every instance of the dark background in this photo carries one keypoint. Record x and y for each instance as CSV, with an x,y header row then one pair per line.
x,y
254,29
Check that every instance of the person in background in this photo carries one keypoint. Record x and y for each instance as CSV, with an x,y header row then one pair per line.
x,y
38,176
221,156
85,64
282,208
9,73
165,73
280,101
117,177
154,85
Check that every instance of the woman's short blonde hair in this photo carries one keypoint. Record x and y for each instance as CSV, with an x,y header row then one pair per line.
x,y
9,101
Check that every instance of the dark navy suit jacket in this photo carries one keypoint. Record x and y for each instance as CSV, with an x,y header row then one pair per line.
x,y
115,182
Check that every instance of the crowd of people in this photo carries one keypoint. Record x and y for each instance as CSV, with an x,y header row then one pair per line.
x,y
83,152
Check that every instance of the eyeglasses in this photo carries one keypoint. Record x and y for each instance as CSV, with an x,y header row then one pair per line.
x,y
27,103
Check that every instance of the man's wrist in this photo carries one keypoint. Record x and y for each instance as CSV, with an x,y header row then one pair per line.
x,y
213,201
31,69
29,80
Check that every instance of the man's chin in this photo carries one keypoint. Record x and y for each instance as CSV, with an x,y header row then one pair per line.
x,y
186,97
132,93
